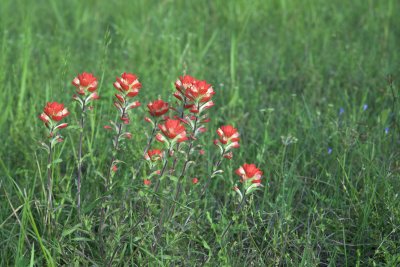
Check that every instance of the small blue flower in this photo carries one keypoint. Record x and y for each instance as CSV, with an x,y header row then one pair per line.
x,y
341,111
329,150
386,130
365,107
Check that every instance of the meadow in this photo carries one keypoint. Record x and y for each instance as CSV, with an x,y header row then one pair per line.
x,y
312,87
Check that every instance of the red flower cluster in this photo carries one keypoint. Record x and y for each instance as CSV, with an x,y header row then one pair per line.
x,y
195,93
128,84
249,172
228,135
228,139
173,130
54,112
195,96
158,108
85,82
153,155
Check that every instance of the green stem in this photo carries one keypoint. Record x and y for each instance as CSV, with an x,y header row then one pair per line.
x,y
178,189
238,209
79,179
103,212
49,185
214,169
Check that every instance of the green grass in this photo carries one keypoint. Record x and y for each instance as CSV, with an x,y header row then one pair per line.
x,y
278,68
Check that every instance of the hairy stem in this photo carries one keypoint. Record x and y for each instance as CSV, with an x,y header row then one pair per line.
x,y
178,189
79,179
49,185
151,138
214,169
107,185
149,142
238,209
179,144
158,181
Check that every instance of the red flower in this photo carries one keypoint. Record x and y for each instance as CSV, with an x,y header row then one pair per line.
x,y
184,83
228,135
54,111
125,119
114,168
62,125
228,155
128,83
173,129
85,82
193,89
250,172
120,98
158,108
200,91
128,135
153,155
146,182
195,180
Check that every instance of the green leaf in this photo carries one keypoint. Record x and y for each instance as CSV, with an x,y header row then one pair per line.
x,y
173,178
70,231
82,239
54,162
32,262
384,115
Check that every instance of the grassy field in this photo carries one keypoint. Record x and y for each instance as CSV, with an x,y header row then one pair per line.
x,y
324,72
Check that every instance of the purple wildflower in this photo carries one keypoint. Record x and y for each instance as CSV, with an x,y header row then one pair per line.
x,y
386,130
